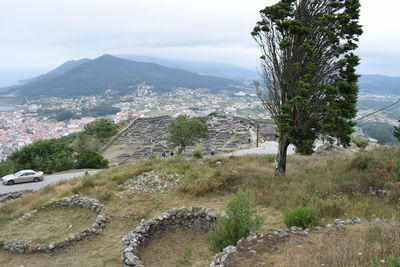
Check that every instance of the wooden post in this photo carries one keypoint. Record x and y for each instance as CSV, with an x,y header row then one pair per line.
x,y
258,133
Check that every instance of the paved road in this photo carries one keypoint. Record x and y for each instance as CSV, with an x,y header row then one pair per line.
x,y
266,148
48,179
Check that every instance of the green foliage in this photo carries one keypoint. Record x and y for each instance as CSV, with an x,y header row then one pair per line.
x,y
100,111
120,75
49,156
360,143
240,222
198,154
299,69
91,160
187,256
58,114
303,217
102,128
185,131
212,114
380,131
65,115
396,133
395,262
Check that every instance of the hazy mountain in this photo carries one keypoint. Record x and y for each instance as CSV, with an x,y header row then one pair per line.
x,y
69,65
205,68
92,77
379,85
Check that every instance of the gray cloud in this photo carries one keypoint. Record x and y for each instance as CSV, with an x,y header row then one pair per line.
x,y
45,33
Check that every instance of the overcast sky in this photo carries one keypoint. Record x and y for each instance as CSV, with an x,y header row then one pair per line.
x,y
42,34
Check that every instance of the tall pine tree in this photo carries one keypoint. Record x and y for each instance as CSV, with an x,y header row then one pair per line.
x,y
309,78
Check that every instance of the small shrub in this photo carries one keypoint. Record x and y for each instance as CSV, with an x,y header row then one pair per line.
x,y
241,220
198,154
91,160
5,209
187,256
303,217
360,143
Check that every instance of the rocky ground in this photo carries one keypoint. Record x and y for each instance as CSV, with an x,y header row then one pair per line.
x,y
153,181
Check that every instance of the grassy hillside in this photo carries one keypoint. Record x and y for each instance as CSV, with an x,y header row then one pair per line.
x,y
335,184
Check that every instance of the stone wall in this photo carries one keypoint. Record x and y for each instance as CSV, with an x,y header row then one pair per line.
x,y
18,246
148,136
147,230
247,244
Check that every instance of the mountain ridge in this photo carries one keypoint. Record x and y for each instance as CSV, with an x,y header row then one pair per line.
x,y
93,77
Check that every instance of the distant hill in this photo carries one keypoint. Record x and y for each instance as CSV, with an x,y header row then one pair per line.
x,y
94,77
69,65
379,85
204,68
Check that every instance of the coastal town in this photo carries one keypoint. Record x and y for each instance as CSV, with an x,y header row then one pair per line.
x,y
31,122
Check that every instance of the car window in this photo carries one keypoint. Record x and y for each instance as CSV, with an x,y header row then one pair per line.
x,y
30,173
18,173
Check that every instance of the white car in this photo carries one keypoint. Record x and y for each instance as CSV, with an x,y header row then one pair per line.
x,y
22,177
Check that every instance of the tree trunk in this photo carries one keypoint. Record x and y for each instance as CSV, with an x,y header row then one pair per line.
x,y
280,167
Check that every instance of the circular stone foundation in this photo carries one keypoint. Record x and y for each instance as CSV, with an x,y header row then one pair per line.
x,y
19,246
147,230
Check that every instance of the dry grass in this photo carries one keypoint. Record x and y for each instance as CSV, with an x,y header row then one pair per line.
x,y
359,245
48,225
329,182
189,249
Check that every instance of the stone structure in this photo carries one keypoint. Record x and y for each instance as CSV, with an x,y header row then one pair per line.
x,y
75,201
147,230
152,181
148,136
10,196
247,244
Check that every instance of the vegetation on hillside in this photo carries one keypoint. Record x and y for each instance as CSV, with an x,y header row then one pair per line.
x,y
95,135
120,75
65,115
335,185
49,156
382,132
60,154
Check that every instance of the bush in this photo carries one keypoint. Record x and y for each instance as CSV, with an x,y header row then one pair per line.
x,y
360,143
49,156
91,160
241,220
303,217
198,154
102,128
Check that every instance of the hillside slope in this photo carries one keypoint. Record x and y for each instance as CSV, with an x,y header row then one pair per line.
x,y
120,75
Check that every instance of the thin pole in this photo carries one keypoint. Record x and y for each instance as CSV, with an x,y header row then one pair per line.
x,y
258,132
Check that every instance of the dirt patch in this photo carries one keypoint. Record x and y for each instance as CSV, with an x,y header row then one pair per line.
x,y
183,247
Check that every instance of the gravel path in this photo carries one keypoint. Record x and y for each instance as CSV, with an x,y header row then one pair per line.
x,y
266,148
48,179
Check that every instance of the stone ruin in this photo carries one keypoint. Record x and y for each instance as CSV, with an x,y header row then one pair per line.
x,y
94,205
148,136
247,244
147,230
